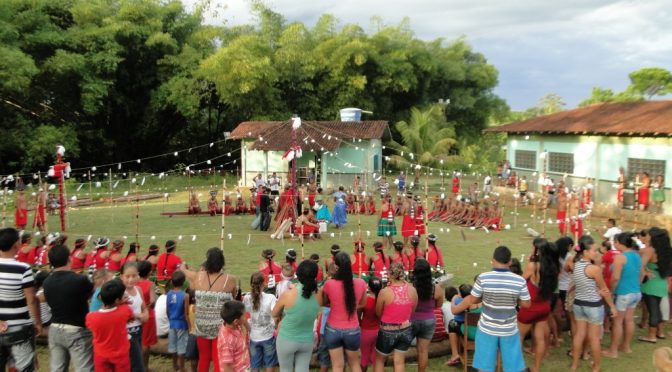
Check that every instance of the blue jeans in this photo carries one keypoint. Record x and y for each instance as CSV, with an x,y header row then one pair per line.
x,y
347,338
135,352
70,344
262,354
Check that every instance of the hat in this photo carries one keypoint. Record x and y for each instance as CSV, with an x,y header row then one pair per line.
x,y
101,242
431,238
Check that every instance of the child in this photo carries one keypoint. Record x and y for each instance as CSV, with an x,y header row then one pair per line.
x,y
149,331
456,326
177,306
286,282
130,277
370,324
110,339
500,291
192,349
232,343
100,277
262,325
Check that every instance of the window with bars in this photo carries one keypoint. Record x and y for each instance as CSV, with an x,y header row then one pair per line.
x,y
561,162
652,167
526,159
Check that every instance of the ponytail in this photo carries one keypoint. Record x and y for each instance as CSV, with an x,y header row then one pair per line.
x,y
256,284
306,274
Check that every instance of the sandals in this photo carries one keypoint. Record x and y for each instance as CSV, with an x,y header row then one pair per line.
x,y
644,339
453,362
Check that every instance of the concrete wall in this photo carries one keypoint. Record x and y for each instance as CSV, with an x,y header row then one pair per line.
x,y
595,157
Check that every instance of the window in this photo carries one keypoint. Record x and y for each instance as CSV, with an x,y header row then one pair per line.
x,y
652,167
560,162
526,159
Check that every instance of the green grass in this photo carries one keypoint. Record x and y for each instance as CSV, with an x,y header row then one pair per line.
x,y
463,257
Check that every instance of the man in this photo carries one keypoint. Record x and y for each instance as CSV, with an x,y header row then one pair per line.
x,y
21,212
561,215
259,181
264,209
67,294
274,183
40,219
487,185
500,291
611,232
17,304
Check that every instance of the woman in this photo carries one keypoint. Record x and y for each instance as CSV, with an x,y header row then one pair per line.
x,y
334,250
298,307
339,217
370,324
132,255
590,294
360,264
78,256
625,278
271,270
541,274
386,226
114,263
656,263
212,288
379,263
344,295
399,256
565,246
659,193
394,307
434,255
430,296
153,256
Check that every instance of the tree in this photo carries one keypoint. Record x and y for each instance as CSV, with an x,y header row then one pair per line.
x,y
651,81
602,95
426,138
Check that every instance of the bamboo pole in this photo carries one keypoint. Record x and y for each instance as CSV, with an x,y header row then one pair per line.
x,y
221,236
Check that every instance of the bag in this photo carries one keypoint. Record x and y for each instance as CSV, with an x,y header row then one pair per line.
x,y
256,222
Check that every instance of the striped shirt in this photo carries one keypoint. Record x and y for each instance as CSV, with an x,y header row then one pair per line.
x,y
15,276
500,291
586,292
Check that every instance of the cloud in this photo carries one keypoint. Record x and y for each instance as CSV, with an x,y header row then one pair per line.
x,y
538,46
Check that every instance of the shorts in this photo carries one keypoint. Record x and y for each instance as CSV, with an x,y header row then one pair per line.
x,y
455,326
590,314
531,317
485,356
627,301
398,340
323,358
262,354
275,192
424,328
347,338
192,348
177,341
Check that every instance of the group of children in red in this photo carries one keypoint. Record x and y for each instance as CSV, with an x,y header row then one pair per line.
x,y
464,213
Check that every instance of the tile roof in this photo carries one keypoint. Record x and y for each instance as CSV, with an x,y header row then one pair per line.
x,y
649,118
318,136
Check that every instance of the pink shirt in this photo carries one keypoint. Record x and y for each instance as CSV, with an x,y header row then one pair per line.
x,y
399,311
232,347
338,316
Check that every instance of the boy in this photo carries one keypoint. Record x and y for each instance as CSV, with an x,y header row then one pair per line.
x,y
232,343
177,308
108,325
500,291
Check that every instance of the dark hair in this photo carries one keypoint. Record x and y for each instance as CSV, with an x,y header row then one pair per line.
x,y
450,292
585,242
344,274
660,241
315,257
8,237
170,246
549,268
144,269
398,246
422,279
153,251
26,237
335,248
375,285
256,287
59,256
563,245
502,255
40,277
112,291
178,279
214,260
231,311
129,265
132,248
465,290
306,274
612,221
626,239
515,267
642,233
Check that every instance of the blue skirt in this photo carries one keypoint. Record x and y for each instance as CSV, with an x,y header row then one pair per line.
x,y
340,215
323,214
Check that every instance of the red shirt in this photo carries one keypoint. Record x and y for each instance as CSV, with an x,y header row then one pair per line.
x,y
166,265
24,257
607,261
232,347
434,256
75,262
360,259
110,338
369,318
378,264
277,272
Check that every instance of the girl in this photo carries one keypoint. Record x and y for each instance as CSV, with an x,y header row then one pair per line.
x,y
130,277
114,261
430,296
290,258
541,274
625,278
399,256
344,295
656,263
335,249
99,278
132,255
590,294
394,307
271,270
298,308
370,324
565,246
97,259
386,227
149,297
434,255
339,217
78,257
262,325
153,257
379,263
659,193
360,264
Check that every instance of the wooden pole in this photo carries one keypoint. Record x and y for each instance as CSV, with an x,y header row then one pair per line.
x,y
424,214
515,203
221,236
90,186
43,199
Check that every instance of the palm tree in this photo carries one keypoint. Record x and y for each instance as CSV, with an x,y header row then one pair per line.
x,y
427,138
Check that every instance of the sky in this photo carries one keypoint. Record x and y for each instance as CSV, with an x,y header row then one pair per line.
x,y
539,46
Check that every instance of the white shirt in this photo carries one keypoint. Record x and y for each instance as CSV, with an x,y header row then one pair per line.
x,y
261,322
162,323
447,313
487,181
275,183
611,233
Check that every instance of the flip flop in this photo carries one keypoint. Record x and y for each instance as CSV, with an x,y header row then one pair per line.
x,y
453,362
644,339
660,337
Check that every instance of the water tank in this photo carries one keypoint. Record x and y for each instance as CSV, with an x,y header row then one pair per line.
x,y
351,114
